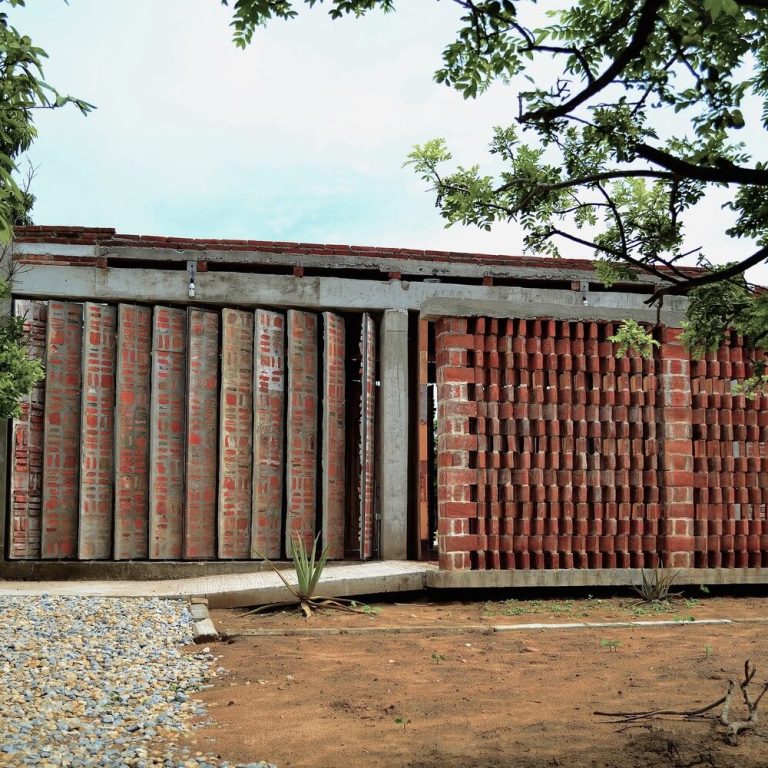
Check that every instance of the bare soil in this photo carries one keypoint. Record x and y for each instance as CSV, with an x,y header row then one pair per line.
x,y
452,696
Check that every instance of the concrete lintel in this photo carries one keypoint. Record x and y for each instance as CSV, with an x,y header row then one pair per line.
x,y
318,293
616,308
609,577
392,451
489,267
56,249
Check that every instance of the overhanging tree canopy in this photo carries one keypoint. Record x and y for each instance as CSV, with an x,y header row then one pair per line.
x,y
22,91
647,110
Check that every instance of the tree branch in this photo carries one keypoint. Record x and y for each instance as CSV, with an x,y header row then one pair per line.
x,y
715,276
645,26
725,173
648,173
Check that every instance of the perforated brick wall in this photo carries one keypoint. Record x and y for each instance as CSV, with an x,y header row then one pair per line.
x,y
552,453
730,461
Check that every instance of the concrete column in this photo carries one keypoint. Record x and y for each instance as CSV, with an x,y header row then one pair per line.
x,y
393,435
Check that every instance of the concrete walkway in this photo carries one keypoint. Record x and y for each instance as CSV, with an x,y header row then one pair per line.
x,y
235,590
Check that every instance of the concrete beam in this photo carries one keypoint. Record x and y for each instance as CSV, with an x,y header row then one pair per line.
x,y
489,266
392,450
619,307
318,293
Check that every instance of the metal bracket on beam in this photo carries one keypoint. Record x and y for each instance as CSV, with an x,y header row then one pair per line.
x,y
584,288
192,272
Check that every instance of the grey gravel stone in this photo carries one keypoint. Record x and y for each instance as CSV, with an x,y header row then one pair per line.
x,y
90,681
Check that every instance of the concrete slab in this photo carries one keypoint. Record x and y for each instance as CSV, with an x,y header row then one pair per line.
x,y
241,589
586,577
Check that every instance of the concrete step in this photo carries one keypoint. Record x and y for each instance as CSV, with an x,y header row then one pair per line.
x,y
242,589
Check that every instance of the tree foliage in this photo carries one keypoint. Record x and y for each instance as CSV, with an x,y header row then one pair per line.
x,y
18,371
22,91
645,112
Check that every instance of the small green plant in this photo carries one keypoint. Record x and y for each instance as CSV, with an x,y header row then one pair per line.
x,y
657,587
368,610
640,608
631,338
611,644
402,721
437,657
708,651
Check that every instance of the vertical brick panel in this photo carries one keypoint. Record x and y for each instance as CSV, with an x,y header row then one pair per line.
x,y
677,452
301,444
27,444
333,454
457,481
424,432
133,376
97,434
236,435
62,430
367,441
202,416
268,433
167,433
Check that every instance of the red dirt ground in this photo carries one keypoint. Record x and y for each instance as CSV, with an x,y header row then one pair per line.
x,y
464,697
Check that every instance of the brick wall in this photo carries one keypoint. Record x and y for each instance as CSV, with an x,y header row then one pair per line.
x,y
163,433
552,453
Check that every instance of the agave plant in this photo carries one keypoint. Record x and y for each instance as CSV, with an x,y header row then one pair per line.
x,y
657,587
309,568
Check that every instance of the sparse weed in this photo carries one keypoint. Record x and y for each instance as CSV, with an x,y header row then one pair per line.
x,y
612,644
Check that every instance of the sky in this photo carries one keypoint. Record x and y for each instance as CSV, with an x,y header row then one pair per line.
x,y
300,137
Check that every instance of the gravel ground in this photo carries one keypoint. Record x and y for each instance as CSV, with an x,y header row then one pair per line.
x,y
90,681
